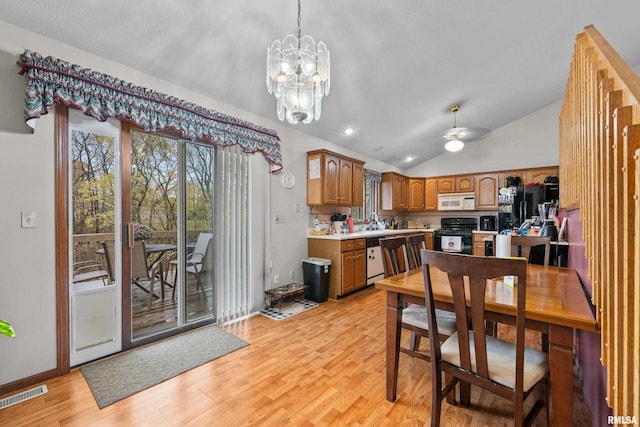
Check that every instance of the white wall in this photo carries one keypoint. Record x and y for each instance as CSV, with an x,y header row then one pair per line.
x,y
27,256
530,141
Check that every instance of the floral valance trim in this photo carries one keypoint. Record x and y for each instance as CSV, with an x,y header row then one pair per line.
x,y
102,96
372,175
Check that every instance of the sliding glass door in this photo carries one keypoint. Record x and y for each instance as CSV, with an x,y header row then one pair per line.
x,y
141,236
94,214
197,270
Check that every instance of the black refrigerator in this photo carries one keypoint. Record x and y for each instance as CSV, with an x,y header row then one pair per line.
x,y
517,204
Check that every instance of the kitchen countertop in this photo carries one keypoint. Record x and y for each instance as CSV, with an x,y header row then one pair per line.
x,y
378,233
368,233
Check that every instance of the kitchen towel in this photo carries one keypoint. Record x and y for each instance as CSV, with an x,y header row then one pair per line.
x,y
451,243
503,246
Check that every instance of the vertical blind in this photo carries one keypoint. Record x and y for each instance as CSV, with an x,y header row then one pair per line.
x,y
232,234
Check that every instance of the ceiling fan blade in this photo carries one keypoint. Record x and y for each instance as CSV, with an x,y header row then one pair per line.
x,y
464,134
456,133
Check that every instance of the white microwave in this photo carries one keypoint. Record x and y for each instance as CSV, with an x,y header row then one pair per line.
x,y
457,202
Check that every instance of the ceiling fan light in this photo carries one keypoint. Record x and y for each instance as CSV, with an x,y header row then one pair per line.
x,y
454,145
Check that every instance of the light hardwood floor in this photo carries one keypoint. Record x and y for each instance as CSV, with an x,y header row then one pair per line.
x,y
322,367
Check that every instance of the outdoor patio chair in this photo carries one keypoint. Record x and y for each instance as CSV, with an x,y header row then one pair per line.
x,y
141,271
193,259
90,271
204,268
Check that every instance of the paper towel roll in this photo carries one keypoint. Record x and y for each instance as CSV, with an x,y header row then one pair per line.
x,y
503,246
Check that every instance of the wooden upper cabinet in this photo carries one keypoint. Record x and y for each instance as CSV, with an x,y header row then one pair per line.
x,y
539,174
502,177
334,180
395,191
464,183
358,184
528,176
416,194
431,194
331,186
487,191
447,184
345,196
456,184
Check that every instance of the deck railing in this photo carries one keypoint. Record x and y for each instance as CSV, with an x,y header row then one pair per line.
x,y
86,245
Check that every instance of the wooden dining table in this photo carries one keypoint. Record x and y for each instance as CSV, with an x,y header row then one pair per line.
x,y
556,304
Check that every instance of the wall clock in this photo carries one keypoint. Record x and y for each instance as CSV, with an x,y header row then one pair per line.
x,y
288,179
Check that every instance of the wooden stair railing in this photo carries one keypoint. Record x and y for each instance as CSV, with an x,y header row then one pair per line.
x,y
600,174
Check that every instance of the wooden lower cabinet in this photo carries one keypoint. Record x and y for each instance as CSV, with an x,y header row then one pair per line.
x,y
354,270
428,239
478,242
348,271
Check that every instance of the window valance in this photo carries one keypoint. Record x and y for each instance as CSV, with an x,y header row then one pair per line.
x,y
372,175
102,96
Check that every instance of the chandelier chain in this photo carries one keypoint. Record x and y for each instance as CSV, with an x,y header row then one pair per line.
x,y
299,23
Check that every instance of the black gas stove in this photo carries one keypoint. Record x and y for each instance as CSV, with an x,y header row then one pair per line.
x,y
455,235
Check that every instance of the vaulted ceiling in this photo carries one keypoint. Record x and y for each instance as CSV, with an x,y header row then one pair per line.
x,y
396,66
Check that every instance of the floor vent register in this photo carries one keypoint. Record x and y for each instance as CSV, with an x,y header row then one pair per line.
x,y
21,397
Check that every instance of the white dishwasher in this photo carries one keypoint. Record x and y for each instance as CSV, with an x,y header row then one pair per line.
x,y
375,269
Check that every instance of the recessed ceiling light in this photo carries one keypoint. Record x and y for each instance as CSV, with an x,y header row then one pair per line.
x,y
409,159
349,131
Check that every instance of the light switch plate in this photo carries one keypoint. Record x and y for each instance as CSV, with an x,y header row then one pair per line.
x,y
28,219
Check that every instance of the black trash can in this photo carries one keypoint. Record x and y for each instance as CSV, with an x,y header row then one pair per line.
x,y
316,276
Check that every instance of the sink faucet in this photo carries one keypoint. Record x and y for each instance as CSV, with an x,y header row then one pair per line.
x,y
373,221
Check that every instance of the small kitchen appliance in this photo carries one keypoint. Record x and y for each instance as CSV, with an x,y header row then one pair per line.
x,y
488,223
547,213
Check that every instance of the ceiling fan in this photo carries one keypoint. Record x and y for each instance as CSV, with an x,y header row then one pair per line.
x,y
457,136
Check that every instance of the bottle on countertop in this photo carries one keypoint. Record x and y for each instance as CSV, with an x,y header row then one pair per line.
x,y
350,224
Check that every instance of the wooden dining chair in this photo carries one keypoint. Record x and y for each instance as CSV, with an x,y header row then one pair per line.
x,y
522,245
469,356
415,243
394,255
414,317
